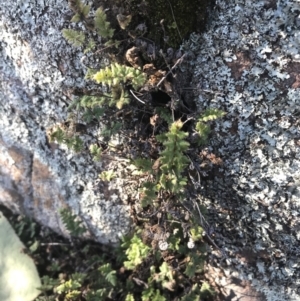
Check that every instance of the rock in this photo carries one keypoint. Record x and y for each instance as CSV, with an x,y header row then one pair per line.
x,y
37,178
19,278
248,65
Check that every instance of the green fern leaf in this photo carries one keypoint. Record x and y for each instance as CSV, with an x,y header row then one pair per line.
x,y
107,175
150,294
85,10
195,264
95,152
90,46
101,25
143,164
203,131
211,114
108,273
75,38
76,18
69,220
129,297
193,295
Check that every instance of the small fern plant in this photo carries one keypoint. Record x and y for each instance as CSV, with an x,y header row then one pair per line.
x,y
202,127
74,226
97,23
171,164
69,138
116,76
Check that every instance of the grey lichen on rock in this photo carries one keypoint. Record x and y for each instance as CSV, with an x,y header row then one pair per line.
x,y
246,65
38,68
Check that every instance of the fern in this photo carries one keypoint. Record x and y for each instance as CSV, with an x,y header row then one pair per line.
x,y
69,220
203,131
107,175
129,297
111,129
164,114
211,114
108,273
74,143
202,128
136,251
173,160
196,232
95,152
195,264
57,135
74,37
101,25
206,291
82,15
115,76
90,46
91,106
61,136
151,294
144,165
148,193
193,295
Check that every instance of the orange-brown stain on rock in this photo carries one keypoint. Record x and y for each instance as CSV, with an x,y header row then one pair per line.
x,y
45,189
17,172
242,62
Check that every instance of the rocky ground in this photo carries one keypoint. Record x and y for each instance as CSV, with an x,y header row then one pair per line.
x,y
246,64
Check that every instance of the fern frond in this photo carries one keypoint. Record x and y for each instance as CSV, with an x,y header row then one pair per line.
x,y
95,152
109,274
57,135
74,37
74,143
203,131
111,129
115,76
101,25
211,114
136,251
107,175
69,220
143,164
195,264
148,194
90,46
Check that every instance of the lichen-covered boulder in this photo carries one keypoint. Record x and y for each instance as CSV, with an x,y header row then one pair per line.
x,y
38,70
248,65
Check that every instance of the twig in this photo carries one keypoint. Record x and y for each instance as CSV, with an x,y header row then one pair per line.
x,y
139,282
175,20
204,90
177,62
54,244
206,232
136,97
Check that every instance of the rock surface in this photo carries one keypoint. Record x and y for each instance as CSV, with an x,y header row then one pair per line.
x,y
19,278
248,65
38,68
